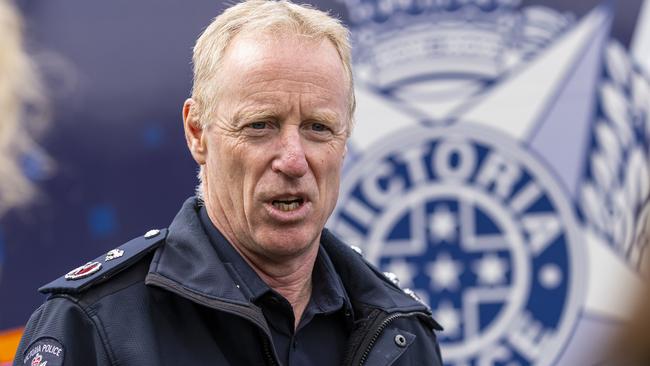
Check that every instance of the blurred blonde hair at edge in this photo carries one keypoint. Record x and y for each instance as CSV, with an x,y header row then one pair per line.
x,y
21,101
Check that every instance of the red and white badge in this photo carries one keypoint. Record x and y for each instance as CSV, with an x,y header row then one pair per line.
x,y
37,360
83,271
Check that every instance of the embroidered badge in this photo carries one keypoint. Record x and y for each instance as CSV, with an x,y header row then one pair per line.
x,y
83,271
44,352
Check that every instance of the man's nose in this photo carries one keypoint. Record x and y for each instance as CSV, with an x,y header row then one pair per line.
x,y
291,159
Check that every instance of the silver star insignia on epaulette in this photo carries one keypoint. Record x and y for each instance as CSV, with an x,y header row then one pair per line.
x,y
151,233
113,254
392,277
415,297
357,249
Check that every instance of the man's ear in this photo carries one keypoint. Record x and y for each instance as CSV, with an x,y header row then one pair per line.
x,y
194,131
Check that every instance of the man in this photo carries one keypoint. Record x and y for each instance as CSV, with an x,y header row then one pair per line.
x,y
246,275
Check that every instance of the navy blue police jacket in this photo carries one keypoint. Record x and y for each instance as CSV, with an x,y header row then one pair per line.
x,y
166,299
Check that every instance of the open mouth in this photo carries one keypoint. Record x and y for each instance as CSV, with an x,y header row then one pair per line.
x,y
287,204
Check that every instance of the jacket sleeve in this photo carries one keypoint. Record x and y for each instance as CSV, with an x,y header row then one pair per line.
x,y
61,332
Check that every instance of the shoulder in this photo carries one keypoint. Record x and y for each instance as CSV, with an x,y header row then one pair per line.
x,y
69,325
366,283
352,257
106,266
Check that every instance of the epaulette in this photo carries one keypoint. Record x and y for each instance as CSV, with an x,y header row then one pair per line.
x,y
106,266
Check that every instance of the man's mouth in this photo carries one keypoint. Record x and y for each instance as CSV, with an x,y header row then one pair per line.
x,y
287,204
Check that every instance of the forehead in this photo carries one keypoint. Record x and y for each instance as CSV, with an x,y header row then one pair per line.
x,y
287,57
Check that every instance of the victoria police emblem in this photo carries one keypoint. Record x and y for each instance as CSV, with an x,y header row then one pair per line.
x,y
480,229
474,173
44,352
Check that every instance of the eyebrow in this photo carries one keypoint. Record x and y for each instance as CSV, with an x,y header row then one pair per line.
x,y
251,114
245,115
327,116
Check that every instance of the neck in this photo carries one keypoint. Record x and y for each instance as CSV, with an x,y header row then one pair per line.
x,y
290,276
291,279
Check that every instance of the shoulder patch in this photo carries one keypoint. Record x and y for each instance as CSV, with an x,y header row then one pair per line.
x,y
107,265
45,351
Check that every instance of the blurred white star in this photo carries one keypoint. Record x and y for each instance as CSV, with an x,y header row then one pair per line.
x,y
443,224
449,318
491,269
445,272
550,276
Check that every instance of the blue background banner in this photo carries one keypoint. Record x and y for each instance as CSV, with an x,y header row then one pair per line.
x,y
118,72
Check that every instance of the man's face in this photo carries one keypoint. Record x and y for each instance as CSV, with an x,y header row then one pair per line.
x,y
275,146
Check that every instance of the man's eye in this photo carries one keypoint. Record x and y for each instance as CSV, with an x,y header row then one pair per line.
x,y
318,127
258,125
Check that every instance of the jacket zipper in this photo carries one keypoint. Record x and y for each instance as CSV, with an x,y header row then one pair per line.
x,y
268,353
380,329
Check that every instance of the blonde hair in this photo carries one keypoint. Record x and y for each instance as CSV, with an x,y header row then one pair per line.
x,y
19,88
262,17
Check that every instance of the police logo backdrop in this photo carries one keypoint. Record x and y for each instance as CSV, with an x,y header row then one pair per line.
x,y
499,164
498,168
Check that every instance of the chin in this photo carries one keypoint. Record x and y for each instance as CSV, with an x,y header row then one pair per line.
x,y
287,242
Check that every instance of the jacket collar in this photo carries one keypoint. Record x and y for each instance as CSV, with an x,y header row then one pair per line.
x,y
366,285
189,260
